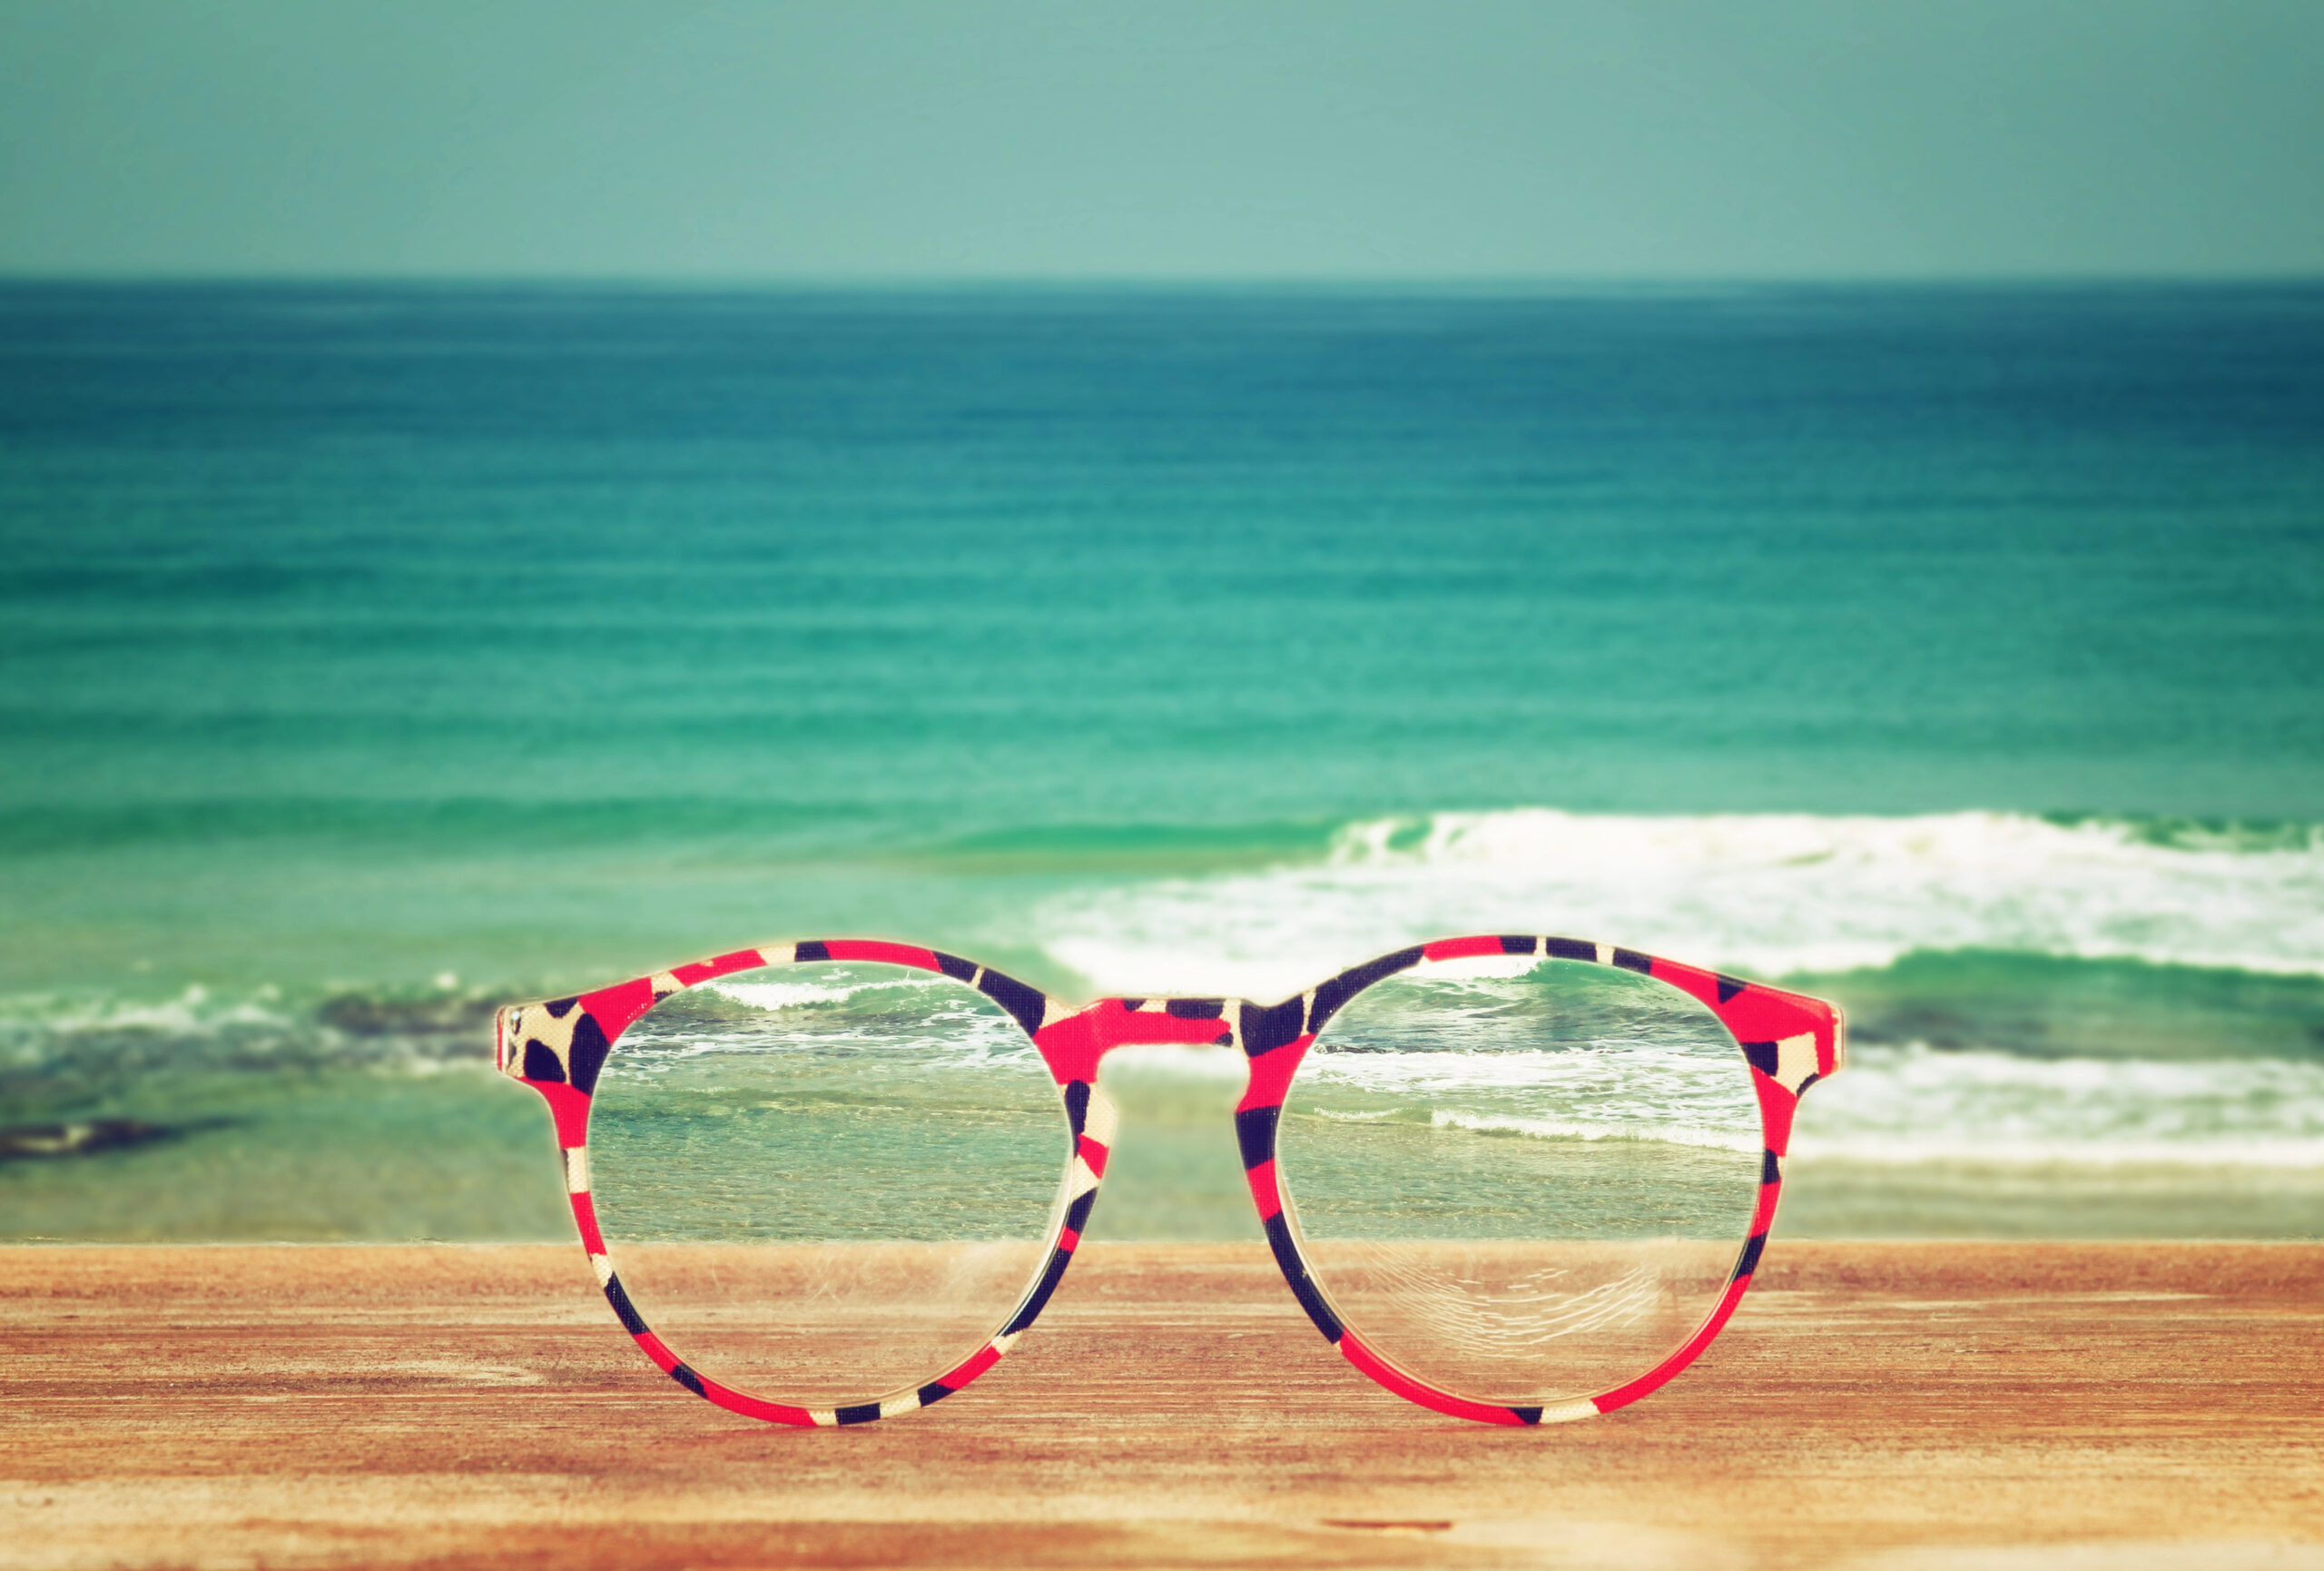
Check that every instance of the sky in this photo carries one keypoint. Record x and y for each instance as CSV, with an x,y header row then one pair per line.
x,y
1331,140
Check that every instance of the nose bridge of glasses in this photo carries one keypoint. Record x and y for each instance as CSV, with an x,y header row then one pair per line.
x,y
1164,1021
1172,1082
1075,1045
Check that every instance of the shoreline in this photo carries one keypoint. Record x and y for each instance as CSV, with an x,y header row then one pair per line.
x,y
1898,1404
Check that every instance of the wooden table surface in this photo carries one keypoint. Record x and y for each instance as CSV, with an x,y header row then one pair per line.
x,y
1971,1406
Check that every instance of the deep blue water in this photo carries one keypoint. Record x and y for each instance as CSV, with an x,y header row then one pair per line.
x,y
896,565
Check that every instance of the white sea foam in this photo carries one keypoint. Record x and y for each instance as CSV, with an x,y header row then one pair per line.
x,y
943,1022
780,995
1589,1130
1894,1105
1772,894
1912,1104
80,1041
1574,1073
194,1012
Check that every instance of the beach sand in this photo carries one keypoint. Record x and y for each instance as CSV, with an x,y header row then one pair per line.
x,y
1922,1406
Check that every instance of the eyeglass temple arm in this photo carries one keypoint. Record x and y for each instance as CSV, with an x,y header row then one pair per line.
x,y
1790,1039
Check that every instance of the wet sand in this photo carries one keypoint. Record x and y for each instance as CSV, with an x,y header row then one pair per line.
x,y
1980,1406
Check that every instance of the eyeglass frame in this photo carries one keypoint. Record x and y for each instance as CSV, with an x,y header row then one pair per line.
x,y
1789,1041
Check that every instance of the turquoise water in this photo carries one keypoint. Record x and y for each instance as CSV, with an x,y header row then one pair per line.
x,y
371,656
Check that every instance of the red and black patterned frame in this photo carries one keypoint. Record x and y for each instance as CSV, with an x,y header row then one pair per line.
x,y
558,1048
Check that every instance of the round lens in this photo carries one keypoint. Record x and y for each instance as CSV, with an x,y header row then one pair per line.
x,y
1521,1180
826,1182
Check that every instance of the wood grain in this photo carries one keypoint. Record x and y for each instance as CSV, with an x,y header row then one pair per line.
x,y
1975,1405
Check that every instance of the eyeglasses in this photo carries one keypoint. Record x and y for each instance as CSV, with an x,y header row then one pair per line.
x,y
1514,1179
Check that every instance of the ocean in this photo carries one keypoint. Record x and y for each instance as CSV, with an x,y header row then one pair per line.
x,y
370,655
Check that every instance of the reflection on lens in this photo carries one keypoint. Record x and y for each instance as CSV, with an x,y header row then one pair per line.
x,y
1523,1181
821,1183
